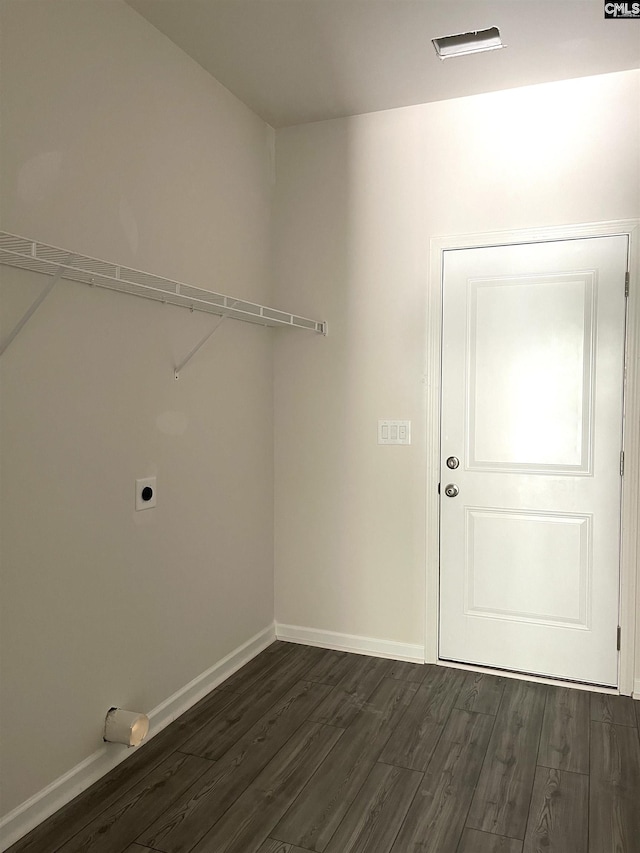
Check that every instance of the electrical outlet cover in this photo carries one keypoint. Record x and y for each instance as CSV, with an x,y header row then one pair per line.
x,y
146,493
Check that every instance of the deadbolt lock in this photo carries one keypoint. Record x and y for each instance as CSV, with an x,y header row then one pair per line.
x,y
453,462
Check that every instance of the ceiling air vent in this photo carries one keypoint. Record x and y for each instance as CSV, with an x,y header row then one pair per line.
x,y
464,43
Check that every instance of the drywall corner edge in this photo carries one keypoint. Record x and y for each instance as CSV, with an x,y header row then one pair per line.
x,y
61,791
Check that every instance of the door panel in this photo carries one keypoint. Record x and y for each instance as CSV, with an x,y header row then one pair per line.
x,y
520,331
532,379
530,544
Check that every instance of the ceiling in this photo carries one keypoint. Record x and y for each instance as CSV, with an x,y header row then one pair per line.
x,y
296,61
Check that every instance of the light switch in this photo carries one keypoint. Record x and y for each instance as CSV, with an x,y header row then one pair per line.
x,y
394,432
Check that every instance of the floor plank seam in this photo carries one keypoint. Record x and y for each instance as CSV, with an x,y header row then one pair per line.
x,y
475,787
544,711
526,825
395,839
550,767
194,754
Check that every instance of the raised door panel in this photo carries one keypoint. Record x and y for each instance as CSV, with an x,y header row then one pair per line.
x,y
521,331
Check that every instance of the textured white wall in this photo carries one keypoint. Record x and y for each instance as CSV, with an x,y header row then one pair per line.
x,y
117,145
357,203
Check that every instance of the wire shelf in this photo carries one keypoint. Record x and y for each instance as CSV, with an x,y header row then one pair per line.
x,y
22,252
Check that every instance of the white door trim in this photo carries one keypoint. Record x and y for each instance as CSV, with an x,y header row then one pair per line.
x,y
629,570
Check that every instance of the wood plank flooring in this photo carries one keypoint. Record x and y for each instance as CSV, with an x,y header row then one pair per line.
x,y
306,750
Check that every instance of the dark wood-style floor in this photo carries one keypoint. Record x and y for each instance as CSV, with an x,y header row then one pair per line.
x,y
305,749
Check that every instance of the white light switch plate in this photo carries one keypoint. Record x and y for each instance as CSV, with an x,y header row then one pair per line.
x,y
394,432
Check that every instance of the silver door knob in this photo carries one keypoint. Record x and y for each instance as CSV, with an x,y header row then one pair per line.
x,y
451,490
453,462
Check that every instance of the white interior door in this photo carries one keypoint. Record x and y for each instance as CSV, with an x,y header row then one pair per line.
x,y
532,397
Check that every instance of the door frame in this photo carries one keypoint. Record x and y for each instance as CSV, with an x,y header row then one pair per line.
x,y
630,545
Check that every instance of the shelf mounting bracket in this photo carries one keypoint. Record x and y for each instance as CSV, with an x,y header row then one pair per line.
x,y
201,343
31,310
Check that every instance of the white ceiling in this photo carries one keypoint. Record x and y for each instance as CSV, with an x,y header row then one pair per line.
x,y
295,61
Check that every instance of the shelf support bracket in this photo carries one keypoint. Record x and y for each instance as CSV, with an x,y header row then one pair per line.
x,y
197,347
13,334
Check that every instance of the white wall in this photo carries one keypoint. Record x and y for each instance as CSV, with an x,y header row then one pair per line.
x,y
357,203
115,144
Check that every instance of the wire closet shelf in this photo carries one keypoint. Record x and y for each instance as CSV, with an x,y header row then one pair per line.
x,y
38,257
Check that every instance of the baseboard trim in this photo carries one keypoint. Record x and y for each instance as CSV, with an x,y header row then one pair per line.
x,y
350,643
42,805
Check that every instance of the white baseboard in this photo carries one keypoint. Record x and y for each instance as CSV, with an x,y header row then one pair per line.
x,y
351,643
42,805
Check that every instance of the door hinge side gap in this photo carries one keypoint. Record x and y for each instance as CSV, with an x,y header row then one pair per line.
x,y
619,637
622,463
627,280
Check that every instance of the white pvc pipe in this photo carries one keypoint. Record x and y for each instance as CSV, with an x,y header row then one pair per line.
x,y
128,727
